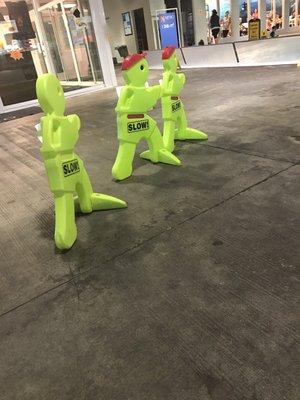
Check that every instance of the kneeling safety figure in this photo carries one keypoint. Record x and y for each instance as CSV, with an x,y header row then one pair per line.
x,y
133,122
65,170
173,114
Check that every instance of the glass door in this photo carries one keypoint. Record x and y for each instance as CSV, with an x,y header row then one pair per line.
x,y
21,54
78,19
57,43
71,42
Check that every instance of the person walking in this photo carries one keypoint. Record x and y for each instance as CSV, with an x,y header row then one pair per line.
x,y
226,24
214,24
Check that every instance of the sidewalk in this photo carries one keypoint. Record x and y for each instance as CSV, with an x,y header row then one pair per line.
x,y
190,293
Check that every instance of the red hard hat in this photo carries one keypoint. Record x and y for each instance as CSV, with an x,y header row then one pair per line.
x,y
131,60
167,52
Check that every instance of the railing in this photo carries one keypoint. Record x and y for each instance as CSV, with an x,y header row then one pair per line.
x,y
281,50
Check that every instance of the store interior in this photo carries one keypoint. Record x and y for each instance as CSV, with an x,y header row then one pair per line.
x,y
38,36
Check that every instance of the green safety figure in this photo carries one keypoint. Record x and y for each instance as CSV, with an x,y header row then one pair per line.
x,y
173,114
65,170
133,122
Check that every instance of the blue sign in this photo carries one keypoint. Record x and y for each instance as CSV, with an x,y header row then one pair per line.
x,y
167,24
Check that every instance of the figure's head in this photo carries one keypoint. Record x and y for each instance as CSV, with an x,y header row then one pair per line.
x,y
50,94
135,70
169,58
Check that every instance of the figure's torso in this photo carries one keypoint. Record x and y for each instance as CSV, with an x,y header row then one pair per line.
x,y
60,134
139,99
62,164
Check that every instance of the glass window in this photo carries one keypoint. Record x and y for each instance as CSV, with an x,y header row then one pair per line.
x,y
292,18
37,36
21,57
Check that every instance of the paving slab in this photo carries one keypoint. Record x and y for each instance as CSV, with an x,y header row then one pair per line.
x,y
253,109
205,310
190,293
158,198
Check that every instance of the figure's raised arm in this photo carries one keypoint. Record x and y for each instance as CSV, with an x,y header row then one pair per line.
x,y
167,84
123,106
182,78
153,95
47,126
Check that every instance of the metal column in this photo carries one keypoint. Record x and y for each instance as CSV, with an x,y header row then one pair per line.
x,y
235,24
200,23
262,14
103,45
285,14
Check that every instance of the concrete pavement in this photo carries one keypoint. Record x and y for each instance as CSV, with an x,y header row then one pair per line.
x,y
191,292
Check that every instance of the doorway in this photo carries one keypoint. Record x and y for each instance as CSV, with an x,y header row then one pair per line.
x,y
140,29
70,43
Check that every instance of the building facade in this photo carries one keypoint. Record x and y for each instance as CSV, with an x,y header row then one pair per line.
x,y
82,41
68,38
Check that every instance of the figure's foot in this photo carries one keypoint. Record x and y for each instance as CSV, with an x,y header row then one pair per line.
x,y
100,202
105,202
162,155
65,238
192,134
165,156
121,172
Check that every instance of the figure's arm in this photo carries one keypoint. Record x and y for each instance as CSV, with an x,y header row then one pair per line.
x,y
53,140
74,120
182,79
167,84
153,94
49,145
155,91
122,106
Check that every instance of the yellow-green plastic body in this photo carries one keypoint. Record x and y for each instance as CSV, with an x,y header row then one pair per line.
x,y
66,173
134,124
173,113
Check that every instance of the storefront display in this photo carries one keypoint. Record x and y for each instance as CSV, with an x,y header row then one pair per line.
x,y
17,43
37,36
254,30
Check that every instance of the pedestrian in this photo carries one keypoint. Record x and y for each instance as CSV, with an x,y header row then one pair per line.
x,y
226,24
214,24
255,14
273,32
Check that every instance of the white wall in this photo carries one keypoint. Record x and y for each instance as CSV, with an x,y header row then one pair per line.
x,y
113,12
156,5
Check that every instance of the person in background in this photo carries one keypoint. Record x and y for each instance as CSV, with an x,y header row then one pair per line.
x,y
243,29
201,42
273,33
278,21
292,19
214,24
226,24
269,21
255,14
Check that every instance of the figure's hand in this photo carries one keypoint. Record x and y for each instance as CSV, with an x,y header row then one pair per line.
x,y
47,126
167,84
123,104
122,109
74,120
182,78
157,91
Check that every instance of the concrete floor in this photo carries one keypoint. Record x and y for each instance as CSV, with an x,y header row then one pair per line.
x,y
191,292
